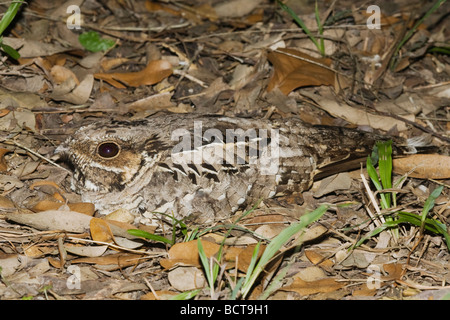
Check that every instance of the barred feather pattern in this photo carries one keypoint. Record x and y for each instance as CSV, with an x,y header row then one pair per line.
x,y
203,168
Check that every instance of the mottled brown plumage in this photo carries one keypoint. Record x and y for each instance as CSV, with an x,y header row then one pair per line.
x,y
137,165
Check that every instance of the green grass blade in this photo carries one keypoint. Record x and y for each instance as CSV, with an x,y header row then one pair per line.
x,y
186,295
385,168
252,264
431,225
320,27
414,28
205,263
372,233
10,51
149,236
299,22
236,289
9,15
429,204
275,245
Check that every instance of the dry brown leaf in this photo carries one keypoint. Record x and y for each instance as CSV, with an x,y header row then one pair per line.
x,y
45,205
44,183
100,230
424,166
317,258
245,256
120,259
186,278
364,291
394,270
36,251
356,116
61,74
86,208
110,63
3,165
5,203
311,287
291,71
153,6
82,207
186,253
160,295
4,112
155,71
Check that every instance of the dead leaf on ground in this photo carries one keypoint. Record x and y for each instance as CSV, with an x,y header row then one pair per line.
x,y
86,251
394,270
114,261
69,221
319,259
3,165
236,8
186,253
186,278
423,166
155,71
246,255
357,116
100,230
160,295
294,69
311,287
364,291
6,203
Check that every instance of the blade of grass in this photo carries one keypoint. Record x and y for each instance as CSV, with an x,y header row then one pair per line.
x,y
375,180
429,204
300,23
150,236
237,289
186,295
385,168
278,242
205,263
413,29
320,27
9,15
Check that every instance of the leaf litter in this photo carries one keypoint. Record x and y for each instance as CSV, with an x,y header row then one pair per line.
x,y
227,58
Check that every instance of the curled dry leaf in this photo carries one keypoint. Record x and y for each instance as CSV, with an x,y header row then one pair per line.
x,y
424,166
5,203
186,278
294,69
155,71
100,230
61,74
325,285
186,253
44,183
3,165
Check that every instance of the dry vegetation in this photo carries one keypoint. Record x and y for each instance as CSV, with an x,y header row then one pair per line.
x,y
238,58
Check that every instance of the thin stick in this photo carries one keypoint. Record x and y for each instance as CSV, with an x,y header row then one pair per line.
x,y
37,154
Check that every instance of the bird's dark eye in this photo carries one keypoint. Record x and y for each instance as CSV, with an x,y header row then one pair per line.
x,y
108,150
